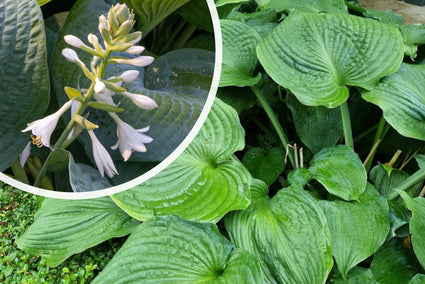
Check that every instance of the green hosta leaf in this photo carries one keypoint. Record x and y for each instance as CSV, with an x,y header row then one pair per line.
x,y
220,3
239,58
153,12
399,217
63,227
418,279
358,228
263,164
85,178
204,182
24,84
385,178
177,81
331,6
394,264
171,250
317,55
197,13
357,275
402,100
417,226
318,127
289,233
263,22
340,171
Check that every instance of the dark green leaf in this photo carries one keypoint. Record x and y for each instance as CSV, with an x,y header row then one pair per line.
x,y
63,227
394,264
24,84
357,275
84,178
318,127
386,178
317,55
171,250
266,165
332,6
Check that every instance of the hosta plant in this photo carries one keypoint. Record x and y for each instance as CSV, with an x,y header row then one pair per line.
x,y
308,169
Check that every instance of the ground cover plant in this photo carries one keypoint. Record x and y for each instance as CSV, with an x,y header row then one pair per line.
x,y
93,95
308,169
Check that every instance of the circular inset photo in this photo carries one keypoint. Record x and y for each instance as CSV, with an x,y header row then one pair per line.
x,y
100,96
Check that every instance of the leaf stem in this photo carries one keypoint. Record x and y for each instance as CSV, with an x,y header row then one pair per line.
x,y
273,119
346,124
380,133
417,177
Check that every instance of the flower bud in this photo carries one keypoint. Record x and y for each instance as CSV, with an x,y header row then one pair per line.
x,y
70,55
129,76
73,41
140,61
136,49
121,13
99,86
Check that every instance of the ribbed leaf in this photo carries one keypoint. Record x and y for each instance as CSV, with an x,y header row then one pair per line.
x,y
65,227
204,182
239,57
318,127
402,100
418,279
417,226
358,229
332,6
357,275
24,84
178,81
289,233
340,171
171,250
386,178
394,264
317,55
153,12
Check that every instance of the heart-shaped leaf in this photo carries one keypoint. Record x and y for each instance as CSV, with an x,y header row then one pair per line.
x,y
401,98
239,57
351,223
317,55
265,165
204,182
289,233
340,171
153,12
24,84
394,264
386,178
172,250
64,227
317,126
417,226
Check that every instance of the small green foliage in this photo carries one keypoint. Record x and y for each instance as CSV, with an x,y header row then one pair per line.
x,y
17,209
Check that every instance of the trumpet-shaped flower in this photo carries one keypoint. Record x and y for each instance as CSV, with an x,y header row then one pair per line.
x,y
43,128
141,101
102,158
140,61
129,139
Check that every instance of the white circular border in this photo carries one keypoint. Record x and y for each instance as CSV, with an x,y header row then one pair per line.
x,y
162,165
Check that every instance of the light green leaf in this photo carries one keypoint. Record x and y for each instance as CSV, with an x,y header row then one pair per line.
x,y
418,279
357,275
358,229
239,58
220,3
63,227
204,182
318,127
24,84
401,98
417,226
178,81
394,264
317,55
331,6
152,12
340,171
386,179
171,250
289,233
399,217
